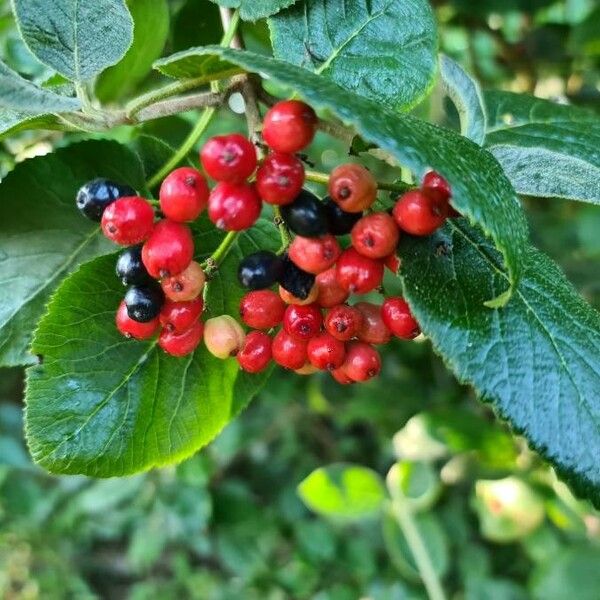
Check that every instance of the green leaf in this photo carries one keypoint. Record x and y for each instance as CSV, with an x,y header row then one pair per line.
x,y
466,95
487,199
14,121
537,360
77,39
418,483
150,32
253,10
341,491
382,49
196,63
42,234
546,149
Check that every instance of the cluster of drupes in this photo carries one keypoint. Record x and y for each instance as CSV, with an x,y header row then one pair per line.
x,y
298,308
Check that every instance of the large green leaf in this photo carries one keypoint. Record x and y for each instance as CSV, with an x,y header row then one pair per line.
x,y
196,63
77,39
479,187
13,121
546,149
382,49
253,10
42,234
537,360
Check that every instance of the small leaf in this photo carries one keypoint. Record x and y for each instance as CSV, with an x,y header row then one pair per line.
x,y
253,10
14,121
381,49
77,39
546,149
196,63
343,491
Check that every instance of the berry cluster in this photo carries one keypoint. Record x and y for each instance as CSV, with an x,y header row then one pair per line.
x,y
339,249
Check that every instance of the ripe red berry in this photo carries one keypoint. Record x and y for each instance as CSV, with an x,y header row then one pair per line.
x,y
134,329
234,206
314,255
180,344
289,126
331,293
289,298
223,336
325,352
177,317
419,214
128,220
255,355
229,157
169,249
262,309
183,195
436,186
392,262
344,322
340,376
399,319
186,285
302,322
376,235
362,361
280,178
373,329
288,351
357,273
353,187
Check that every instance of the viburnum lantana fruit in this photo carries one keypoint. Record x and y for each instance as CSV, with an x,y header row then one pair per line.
x,y
289,126
128,220
183,195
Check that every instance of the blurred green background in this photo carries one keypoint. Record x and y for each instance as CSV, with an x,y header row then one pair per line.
x,y
228,523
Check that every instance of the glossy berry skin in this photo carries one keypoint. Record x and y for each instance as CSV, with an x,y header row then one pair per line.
x,y
234,206
358,274
314,255
181,344
291,299
392,262
376,235
331,293
183,195
260,270
306,215
186,285
169,249
296,281
93,197
344,322
288,351
325,352
262,309
256,354
280,178
177,317
397,316
302,322
289,126
128,220
436,186
144,303
339,221
229,157
362,361
352,187
373,329
134,329
223,336
340,376
130,269
419,214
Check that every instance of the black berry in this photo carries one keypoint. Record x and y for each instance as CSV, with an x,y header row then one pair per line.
x,y
130,268
96,195
144,302
306,215
260,270
297,282
339,221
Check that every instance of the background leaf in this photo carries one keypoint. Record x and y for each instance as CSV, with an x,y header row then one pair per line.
x,y
196,63
253,10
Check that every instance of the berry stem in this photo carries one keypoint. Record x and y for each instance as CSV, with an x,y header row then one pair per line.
x,y
399,187
218,256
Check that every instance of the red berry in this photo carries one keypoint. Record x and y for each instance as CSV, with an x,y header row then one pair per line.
x,y
362,361
183,195
436,186
177,317
392,262
314,255
288,351
180,344
289,298
128,221
229,157
186,285
398,318
262,309
373,329
340,376
331,293
280,178
134,329
302,322
344,322
169,249
234,206
419,214
289,126
376,235
325,352
352,187
357,273
223,336
255,355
